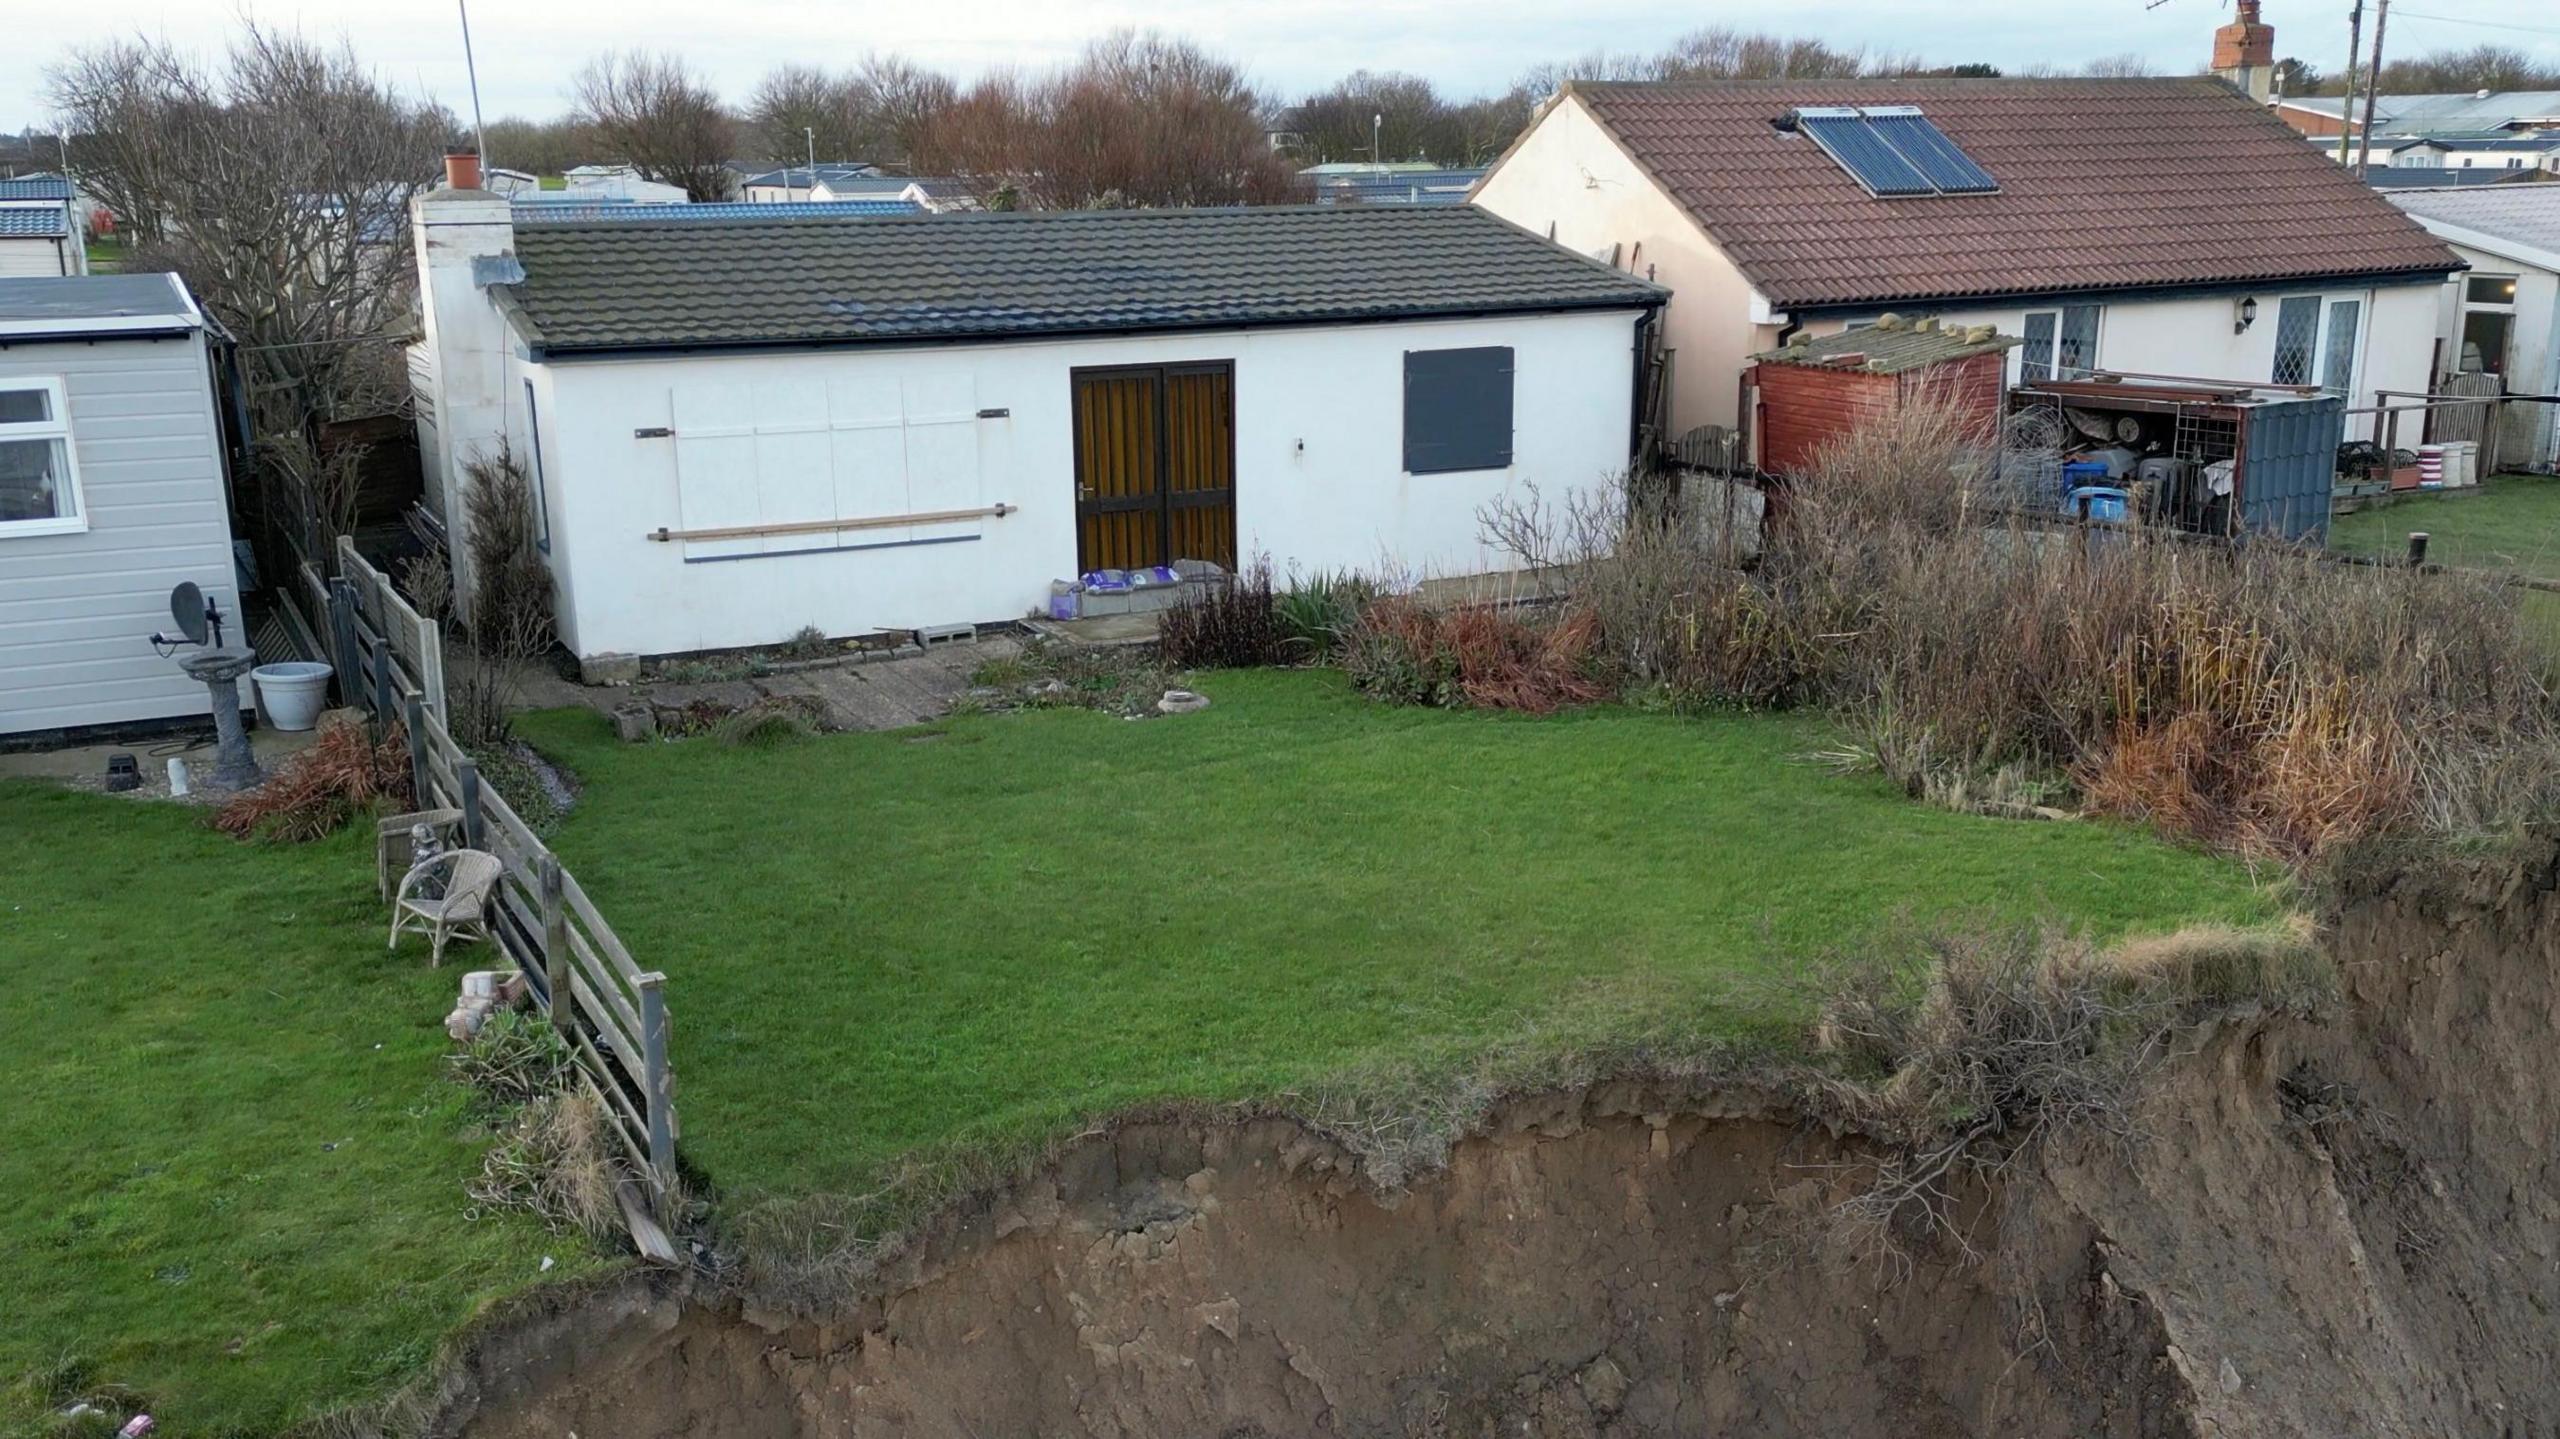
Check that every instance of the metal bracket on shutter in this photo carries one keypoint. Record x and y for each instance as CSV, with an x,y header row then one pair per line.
x,y
654,432
995,414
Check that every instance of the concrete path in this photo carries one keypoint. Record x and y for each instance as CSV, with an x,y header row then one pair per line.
x,y
877,695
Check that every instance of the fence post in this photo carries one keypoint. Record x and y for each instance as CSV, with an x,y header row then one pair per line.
x,y
342,642
380,661
422,782
653,1050
555,946
2417,548
466,777
431,667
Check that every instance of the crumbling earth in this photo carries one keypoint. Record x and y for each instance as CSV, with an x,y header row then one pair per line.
x,y
2348,1225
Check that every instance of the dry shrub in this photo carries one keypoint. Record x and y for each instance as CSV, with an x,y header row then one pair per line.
x,y
1480,655
323,787
1987,1042
1224,626
556,1162
2250,695
1670,606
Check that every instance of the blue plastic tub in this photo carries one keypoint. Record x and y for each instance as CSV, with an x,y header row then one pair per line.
x,y
2098,502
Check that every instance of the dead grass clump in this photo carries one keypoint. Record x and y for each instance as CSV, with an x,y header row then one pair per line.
x,y
766,725
555,1161
1968,1052
2251,696
515,1059
312,794
1475,655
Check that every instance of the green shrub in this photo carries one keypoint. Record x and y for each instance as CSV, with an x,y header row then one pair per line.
x,y
1316,613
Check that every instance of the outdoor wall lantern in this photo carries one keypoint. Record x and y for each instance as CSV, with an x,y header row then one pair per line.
x,y
2247,316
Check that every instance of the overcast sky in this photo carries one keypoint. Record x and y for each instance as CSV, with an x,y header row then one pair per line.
x,y
527,48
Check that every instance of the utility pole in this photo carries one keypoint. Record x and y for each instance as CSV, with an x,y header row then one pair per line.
x,y
2347,107
471,67
2372,87
810,134
1377,123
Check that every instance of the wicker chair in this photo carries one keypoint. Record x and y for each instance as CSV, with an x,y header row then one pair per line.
x,y
391,855
461,911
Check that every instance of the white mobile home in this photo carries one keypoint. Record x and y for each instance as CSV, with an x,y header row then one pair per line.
x,y
113,489
738,429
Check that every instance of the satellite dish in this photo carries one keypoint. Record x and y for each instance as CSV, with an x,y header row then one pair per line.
x,y
186,606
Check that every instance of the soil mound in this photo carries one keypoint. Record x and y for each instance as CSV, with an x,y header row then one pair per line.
x,y
2344,1226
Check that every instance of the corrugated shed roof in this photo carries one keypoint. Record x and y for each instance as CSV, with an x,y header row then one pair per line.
x,y
33,222
2524,215
1889,351
675,284
2086,200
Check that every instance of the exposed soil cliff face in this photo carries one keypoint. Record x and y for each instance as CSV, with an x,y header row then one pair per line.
x,y
2348,1227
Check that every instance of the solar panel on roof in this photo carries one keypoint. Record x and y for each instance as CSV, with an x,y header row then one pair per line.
x,y
1927,147
1845,136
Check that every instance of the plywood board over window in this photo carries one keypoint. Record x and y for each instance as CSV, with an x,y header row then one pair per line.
x,y
799,450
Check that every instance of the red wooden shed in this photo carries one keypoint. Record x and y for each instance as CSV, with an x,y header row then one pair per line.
x,y
1814,389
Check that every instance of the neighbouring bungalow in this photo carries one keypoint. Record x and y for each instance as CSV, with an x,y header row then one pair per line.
x,y
114,488
2502,317
738,429
2039,207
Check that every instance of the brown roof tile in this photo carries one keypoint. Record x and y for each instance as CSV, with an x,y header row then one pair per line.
x,y
2104,184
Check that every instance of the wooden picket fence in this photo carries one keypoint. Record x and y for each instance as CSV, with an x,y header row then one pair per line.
x,y
612,1012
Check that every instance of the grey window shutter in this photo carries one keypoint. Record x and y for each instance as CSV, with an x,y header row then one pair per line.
x,y
1458,409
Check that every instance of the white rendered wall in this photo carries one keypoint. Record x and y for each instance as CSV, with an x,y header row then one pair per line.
x,y
1568,178
2395,344
1319,473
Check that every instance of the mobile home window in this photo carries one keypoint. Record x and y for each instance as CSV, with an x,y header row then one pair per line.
x,y
39,484
1457,409
2297,330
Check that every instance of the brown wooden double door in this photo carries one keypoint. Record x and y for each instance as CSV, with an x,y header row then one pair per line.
x,y
1155,465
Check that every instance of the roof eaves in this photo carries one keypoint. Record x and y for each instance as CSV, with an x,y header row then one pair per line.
x,y
615,349
2160,289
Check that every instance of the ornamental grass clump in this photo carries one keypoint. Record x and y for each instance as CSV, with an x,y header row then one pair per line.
x,y
315,792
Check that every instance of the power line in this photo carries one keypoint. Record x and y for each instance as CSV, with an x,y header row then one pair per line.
x,y
2481,24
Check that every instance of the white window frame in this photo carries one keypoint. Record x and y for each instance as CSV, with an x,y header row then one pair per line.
x,y
2055,369
75,519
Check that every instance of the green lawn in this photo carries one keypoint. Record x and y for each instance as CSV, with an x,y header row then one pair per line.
x,y
2511,524
233,1165
979,933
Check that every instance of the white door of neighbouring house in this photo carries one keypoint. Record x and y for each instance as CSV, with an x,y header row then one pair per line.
x,y
802,463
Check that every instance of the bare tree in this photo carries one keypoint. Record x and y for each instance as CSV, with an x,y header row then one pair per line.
x,y
540,147
797,108
1138,120
2130,65
277,185
652,113
901,101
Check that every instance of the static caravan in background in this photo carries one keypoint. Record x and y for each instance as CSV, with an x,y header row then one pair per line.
x,y
113,489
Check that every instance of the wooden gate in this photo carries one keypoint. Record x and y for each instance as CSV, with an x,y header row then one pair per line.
x,y
1155,465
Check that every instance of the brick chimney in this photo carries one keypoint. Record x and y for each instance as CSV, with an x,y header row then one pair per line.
x,y
2244,52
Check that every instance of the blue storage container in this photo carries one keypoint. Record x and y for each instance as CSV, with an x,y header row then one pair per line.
x,y
2098,502
2080,474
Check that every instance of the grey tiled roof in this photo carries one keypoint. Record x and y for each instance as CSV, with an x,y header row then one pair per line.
x,y
630,284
